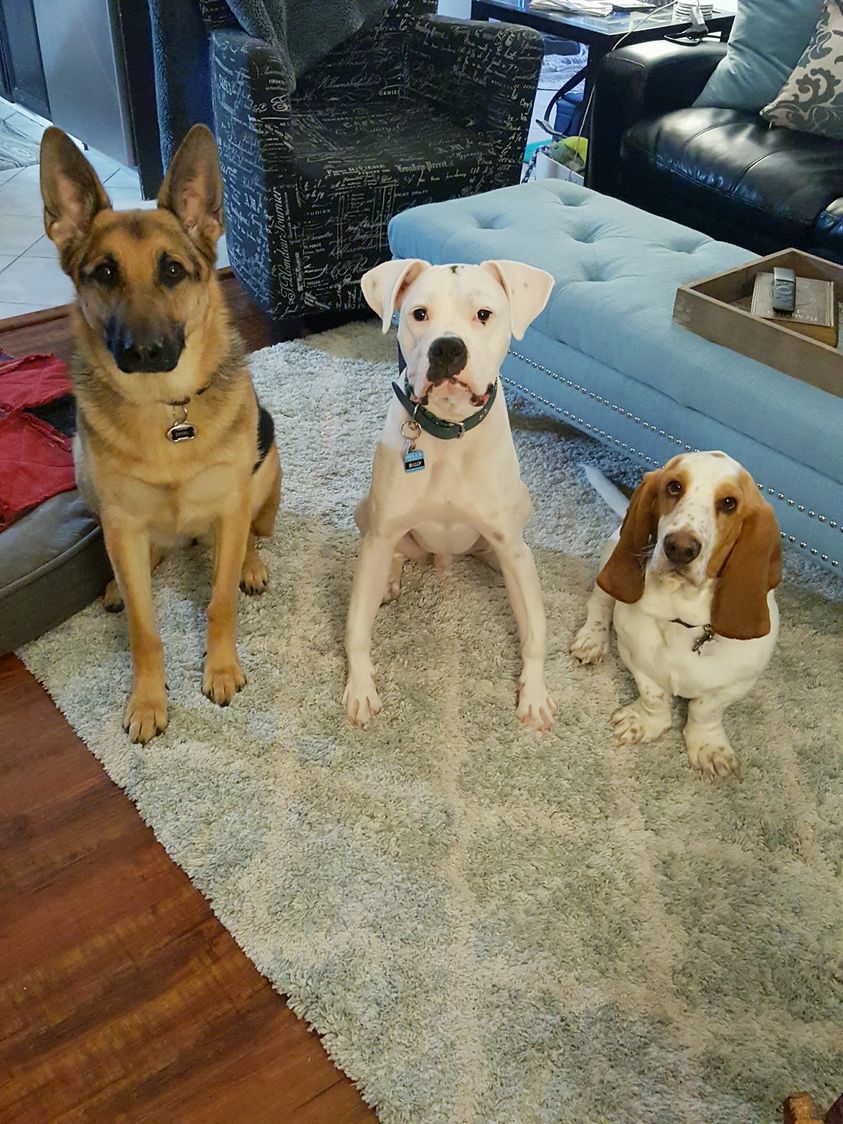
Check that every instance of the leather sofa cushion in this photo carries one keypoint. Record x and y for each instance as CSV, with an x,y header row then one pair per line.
x,y
828,233
725,161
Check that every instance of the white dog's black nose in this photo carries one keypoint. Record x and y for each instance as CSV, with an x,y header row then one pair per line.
x,y
681,547
446,357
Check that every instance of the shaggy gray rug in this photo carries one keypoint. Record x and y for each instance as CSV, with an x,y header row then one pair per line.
x,y
485,924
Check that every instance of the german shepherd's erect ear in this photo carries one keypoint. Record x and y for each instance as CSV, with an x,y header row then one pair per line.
x,y
71,190
192,189
623,575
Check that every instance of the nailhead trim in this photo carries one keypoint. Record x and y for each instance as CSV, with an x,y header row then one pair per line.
x,y
637,452
580,422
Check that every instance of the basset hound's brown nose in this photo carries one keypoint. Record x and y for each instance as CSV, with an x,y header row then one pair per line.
x,y
681,547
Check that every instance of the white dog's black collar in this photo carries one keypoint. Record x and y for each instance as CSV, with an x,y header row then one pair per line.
x,y
435,426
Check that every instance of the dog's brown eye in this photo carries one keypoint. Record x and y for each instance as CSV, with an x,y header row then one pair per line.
x,y
728,503
674,488
105,273
420,314
172,271
483,315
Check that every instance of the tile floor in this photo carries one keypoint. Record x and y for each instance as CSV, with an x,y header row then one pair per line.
x,y
30,278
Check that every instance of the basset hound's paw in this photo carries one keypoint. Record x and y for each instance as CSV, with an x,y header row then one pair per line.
x,y
591,644
710,753
535,706
361,700
633,724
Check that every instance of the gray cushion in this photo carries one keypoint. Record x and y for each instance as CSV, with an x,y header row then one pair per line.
x,y
52,564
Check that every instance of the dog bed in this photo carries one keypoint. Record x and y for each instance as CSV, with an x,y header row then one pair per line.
x,y
52,557
52,564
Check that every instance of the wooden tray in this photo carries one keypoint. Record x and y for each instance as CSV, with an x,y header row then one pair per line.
x,y
717,308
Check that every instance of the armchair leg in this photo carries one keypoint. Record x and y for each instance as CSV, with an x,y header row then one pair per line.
x,y
290,328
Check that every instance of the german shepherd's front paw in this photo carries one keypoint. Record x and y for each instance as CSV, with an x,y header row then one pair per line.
x,y
221,684
254,576
112,599
146,715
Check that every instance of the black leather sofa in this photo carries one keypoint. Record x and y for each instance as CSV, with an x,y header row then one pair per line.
x,y
725,172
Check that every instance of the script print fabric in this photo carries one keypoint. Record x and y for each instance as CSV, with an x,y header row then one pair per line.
x,y
415,110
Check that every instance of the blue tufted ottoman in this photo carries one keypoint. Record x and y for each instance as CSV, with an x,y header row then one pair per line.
x,y
606,355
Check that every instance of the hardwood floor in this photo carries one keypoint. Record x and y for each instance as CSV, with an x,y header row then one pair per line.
x,y
122,998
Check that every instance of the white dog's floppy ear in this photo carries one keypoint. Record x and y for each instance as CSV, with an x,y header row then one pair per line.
x,y
385,285
528,290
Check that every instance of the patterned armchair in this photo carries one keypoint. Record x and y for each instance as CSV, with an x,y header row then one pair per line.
x,y
416,109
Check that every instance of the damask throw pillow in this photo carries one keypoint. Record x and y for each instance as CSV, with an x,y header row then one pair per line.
x,y
811,100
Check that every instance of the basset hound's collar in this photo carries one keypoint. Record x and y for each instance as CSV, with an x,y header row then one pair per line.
x,y
707,634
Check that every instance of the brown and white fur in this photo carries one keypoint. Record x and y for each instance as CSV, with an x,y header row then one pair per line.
x,y
470,497
700,546
151,329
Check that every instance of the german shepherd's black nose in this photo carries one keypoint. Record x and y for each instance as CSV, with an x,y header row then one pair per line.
x,y
447,356
144,349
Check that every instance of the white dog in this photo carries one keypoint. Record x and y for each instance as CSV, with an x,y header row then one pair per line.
x,y
445,478
690,583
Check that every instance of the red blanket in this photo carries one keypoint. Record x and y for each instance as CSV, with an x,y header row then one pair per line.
x,y
35,459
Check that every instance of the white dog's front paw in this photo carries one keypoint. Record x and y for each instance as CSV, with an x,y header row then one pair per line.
x,y
711,753
633,724
591,644
361,700
393,589
535,706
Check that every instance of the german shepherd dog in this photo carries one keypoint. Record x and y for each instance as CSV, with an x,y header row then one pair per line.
x,y
172,445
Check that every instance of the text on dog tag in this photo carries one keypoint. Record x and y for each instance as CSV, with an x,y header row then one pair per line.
x,y
413,458
181,431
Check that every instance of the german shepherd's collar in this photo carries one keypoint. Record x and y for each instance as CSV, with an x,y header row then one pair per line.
x,y
149,325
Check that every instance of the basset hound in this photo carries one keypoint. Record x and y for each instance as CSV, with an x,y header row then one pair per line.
x,y
689,582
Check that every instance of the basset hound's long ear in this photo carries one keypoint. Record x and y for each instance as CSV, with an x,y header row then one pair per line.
x,y
754,566
623,575
384,286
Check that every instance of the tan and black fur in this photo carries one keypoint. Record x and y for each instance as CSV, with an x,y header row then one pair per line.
x,y
151,329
